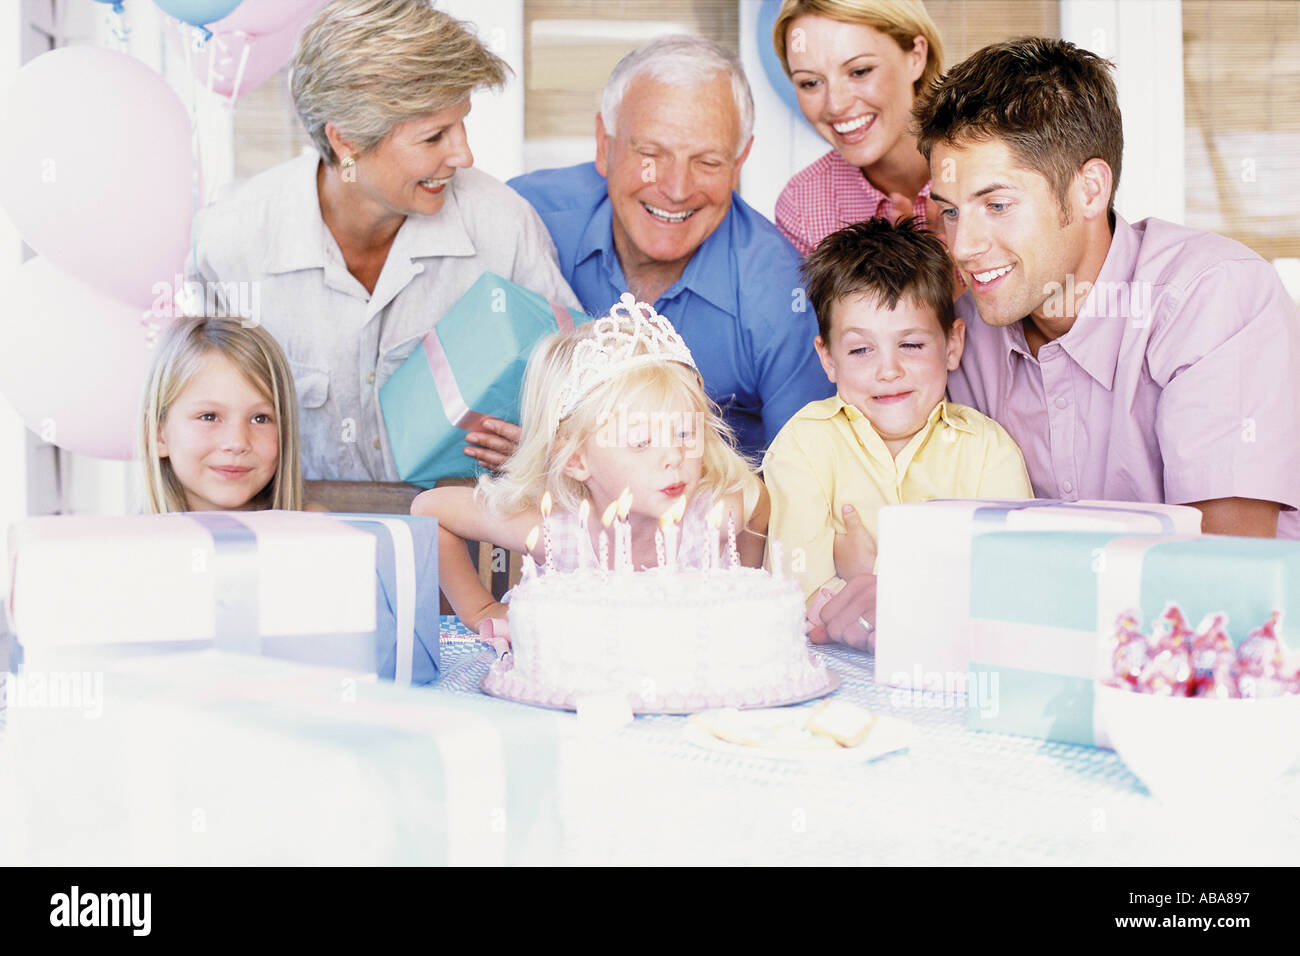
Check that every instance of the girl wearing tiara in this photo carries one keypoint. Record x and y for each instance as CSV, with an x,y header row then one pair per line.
x,y
615,409
218,426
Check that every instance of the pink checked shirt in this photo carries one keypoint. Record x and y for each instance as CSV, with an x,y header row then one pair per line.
x,y
1179,381
829,195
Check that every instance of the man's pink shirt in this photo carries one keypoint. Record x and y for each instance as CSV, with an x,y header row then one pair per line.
x,y
1178,381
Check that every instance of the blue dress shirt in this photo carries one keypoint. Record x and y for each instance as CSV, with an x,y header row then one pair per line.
x,y
739,304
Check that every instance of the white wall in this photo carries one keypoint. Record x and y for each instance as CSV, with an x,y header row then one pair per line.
x,y
784,143
1145,40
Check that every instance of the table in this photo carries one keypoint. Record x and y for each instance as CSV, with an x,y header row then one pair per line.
x,y
644,794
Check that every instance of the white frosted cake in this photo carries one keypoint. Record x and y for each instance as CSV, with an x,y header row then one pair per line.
x,y
672,641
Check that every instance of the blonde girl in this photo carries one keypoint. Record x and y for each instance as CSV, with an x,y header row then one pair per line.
x,y
218,423
615,407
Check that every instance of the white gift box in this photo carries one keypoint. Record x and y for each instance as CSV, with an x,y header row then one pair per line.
x,y
223,759
290,583
923,620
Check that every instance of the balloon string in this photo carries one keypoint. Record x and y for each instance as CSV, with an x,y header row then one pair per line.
x,y
239,73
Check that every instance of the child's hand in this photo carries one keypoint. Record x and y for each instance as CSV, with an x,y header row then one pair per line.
x,y
847,617
494,610
854,551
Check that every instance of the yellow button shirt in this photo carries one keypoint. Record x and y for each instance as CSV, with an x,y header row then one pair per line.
x,y
828,456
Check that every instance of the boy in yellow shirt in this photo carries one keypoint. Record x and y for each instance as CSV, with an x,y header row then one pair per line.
x,y
888,337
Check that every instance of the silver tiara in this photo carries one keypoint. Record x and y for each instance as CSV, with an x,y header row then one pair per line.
x,y
632,335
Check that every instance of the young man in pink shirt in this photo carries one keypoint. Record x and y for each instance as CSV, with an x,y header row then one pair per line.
x,y
1131,362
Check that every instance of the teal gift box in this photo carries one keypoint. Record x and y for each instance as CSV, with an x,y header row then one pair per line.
x,y
1044,607
469,367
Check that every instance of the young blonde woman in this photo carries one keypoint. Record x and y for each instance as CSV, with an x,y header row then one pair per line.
x,y
857,67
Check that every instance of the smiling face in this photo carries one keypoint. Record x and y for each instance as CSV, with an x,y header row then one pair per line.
x,y
1005,231
222,438
671,163
855,86
410,170
654,453
892,365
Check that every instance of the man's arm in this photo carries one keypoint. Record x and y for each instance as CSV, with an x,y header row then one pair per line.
x,y
1241,516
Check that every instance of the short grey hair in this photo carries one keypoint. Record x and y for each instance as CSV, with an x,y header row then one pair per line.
x,y
680,60
368,65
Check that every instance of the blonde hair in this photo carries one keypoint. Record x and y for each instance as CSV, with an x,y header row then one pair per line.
x,y
179,356
900,20
368,65
548,443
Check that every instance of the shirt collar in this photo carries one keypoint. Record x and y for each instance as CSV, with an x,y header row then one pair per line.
x,y
1098,331
303,241
709,273
829,408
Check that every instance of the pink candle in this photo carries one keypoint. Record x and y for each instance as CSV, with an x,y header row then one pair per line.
x,y
659,545
623,552
584,511
733,556
529,565
546,532
606,519
776,557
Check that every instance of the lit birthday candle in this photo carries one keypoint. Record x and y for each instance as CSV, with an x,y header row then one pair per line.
x,y
668,524
776,556
584,512
546,532
606,520
529,565
711,544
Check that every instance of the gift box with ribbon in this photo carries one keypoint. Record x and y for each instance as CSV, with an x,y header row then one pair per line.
x,y
469,367
926,562
285,584
221,759
1045,608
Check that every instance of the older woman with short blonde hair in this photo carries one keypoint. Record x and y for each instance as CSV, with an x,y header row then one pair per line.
x,y
857,67
352,253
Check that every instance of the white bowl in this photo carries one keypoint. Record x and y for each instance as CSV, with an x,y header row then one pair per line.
x,y
1189,749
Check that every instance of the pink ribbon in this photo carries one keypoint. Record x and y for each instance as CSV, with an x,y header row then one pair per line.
x,y
444,379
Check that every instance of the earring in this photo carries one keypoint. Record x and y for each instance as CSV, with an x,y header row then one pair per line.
x,y
348,162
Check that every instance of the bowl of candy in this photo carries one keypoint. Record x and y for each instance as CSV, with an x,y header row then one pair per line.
x,y
1196,719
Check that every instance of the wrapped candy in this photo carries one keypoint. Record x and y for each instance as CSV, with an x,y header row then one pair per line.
x,y
1259,669
1169,671
1213,660
1129,654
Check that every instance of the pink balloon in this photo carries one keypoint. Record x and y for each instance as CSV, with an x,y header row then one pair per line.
x,y
266,55
73,361
264,17
97,170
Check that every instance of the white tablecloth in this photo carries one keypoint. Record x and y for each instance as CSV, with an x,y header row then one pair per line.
x,y
644,794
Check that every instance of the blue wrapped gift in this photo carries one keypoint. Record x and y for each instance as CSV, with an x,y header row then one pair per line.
x,y
470,366
1045,605
406,599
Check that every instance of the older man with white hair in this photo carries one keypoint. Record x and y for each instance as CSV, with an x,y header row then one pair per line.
x,y
657,215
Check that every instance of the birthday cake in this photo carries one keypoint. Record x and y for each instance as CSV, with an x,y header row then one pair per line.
x,y
671,641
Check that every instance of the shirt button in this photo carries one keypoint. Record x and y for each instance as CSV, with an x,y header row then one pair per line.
x,y
370,379
1067,487
1060,402
376,444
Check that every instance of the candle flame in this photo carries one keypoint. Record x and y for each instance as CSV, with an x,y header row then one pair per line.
x,y
608,517
546,504
715,516
624,503
674,514
584,510
530,542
